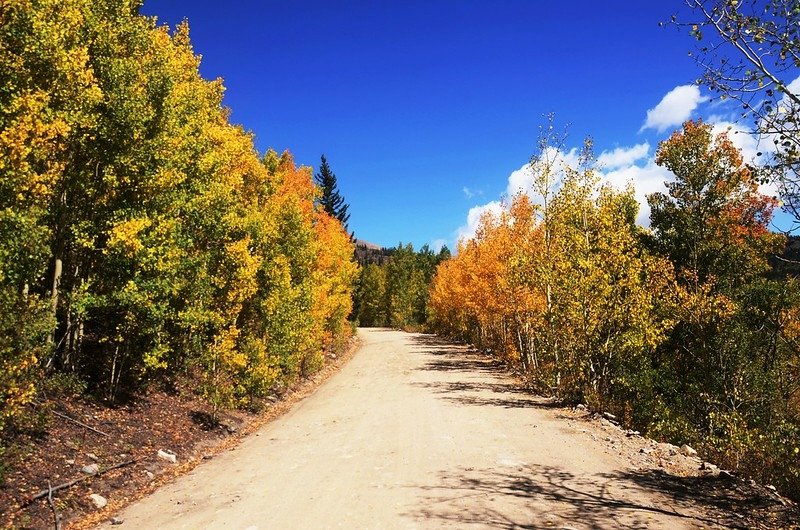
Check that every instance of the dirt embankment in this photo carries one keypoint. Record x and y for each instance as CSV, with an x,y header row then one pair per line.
x,y
130,435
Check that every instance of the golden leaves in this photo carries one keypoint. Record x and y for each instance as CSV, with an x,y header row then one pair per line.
x,y
566,288
124,236
178,242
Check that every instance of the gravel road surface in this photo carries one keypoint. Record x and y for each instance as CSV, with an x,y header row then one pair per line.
x,y
415,433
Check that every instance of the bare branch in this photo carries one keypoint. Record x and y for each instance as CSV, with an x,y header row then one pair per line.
x,y
79,423
56,518
50,490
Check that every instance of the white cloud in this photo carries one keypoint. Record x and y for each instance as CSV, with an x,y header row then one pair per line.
x,y
474,217
437,244
636,165
749,142
742,139
793,87
674,108
470,193
645,179
623,156
750,145
521,180
650,178
718,118
767,142
622,162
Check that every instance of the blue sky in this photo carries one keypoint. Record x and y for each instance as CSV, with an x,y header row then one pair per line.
x,y
426,109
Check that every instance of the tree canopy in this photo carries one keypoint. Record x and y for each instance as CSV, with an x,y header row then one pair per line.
x,y
681,331
142,237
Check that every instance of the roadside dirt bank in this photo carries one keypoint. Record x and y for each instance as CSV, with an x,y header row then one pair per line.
x,y
133,432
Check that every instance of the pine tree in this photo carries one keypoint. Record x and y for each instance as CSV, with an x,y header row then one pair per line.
x,y
331,201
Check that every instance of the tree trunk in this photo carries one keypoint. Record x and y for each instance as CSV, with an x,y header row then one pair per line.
x,y
58,270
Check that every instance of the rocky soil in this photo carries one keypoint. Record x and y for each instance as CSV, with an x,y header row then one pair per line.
x,y
115,455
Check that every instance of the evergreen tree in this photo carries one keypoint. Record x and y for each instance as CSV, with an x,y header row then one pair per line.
x,y
331,201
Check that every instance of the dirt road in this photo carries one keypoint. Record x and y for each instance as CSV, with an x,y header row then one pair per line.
x,y
415,433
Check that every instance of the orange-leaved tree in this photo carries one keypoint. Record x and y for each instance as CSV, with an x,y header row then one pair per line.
x,y
724,369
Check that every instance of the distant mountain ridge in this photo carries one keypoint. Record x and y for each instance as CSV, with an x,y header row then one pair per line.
x,y
368,245
367,253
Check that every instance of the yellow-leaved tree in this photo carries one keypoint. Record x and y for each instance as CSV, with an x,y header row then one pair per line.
x,y
142,236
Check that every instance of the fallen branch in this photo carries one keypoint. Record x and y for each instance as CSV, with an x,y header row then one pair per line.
x,y
56,520
49,491
785,260
79,423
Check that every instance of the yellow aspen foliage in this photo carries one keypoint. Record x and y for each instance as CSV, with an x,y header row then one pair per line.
x,y
124,236
142,236
17,387
566,288
221,362
239,282
45,93
334,275
685,330
449,315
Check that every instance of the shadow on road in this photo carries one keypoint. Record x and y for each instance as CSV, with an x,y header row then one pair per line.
x,y
552,497
449,357
454,358
477,394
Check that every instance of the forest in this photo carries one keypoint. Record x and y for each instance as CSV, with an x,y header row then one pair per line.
x,y
143,239
685,331
393,285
